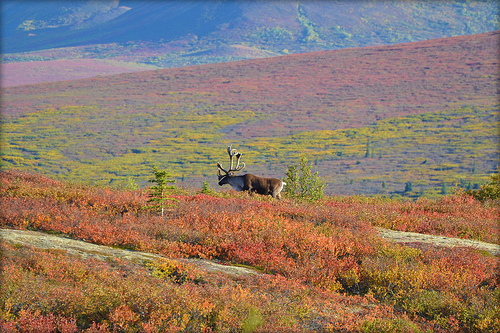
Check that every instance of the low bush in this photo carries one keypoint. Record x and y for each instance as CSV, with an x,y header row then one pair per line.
x,y
490,191
324,266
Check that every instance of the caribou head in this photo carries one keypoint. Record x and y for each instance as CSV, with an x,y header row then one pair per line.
x,y
226,175
247,182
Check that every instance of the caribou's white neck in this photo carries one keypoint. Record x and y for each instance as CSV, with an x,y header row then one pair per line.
x,y
236,182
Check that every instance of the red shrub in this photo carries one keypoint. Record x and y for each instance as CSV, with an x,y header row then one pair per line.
x,y
331,245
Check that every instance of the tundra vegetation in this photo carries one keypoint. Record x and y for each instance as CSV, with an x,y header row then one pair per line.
x,y
159,192
418,121
322,266
455,146
302,183
422,113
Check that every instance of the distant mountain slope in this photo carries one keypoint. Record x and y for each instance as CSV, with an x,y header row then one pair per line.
x,y
423,112
359,85
23,73
277,27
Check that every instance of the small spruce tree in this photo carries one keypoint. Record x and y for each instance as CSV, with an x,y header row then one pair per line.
x,y
159,192
444,189
206,188
367,154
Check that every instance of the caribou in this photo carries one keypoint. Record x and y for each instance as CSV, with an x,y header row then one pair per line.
x,y
247,182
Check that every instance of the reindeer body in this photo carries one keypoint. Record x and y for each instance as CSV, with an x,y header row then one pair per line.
x,y
251,183
248,182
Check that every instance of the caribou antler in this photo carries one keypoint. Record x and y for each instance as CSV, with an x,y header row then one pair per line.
x,y
247,182
232,153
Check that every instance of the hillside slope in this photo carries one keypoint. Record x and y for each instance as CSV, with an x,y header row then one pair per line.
x,y
23,73
155,32
111,264
428,110
361,85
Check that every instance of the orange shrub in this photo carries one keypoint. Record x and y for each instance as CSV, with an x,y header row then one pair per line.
x,y
323,248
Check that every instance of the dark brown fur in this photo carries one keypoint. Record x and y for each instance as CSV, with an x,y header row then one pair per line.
x,y
254,184
248,182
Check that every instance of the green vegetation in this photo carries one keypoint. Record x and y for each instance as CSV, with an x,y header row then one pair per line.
x,y
490,191
302,183
159,192
426,149
131,184
71,141
449,141
276,35
310,35
206,188
398,325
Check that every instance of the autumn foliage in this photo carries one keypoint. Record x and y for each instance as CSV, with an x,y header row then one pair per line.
x,y
370,119
323,267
